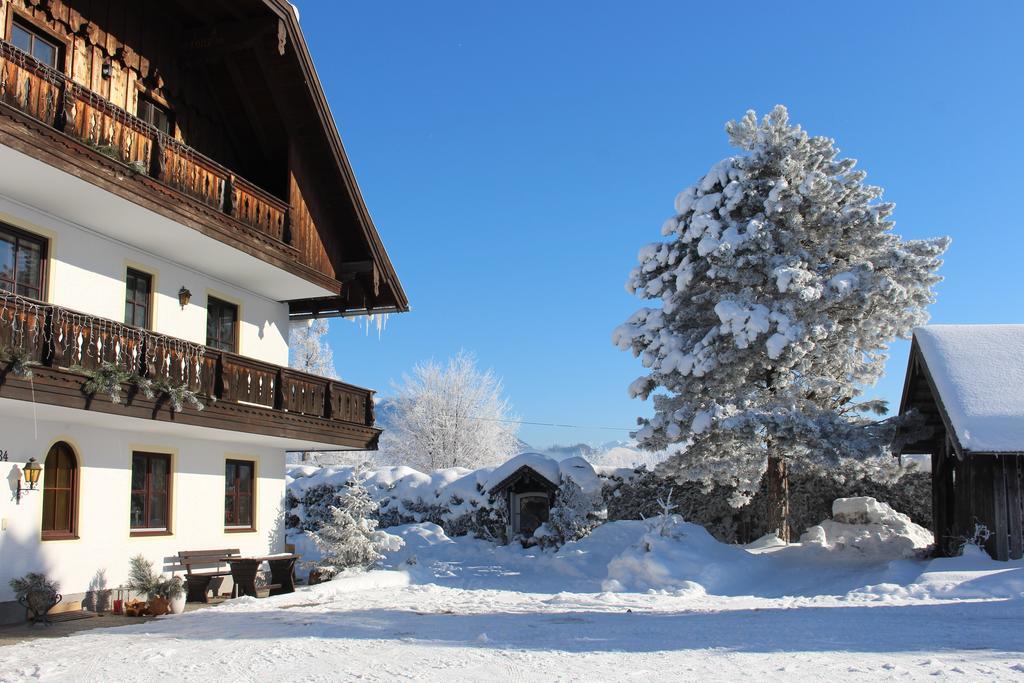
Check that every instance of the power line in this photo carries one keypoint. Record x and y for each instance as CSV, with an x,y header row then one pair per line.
x,y
546,424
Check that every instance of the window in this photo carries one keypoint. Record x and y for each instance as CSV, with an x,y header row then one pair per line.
x,y
60,493
138,288
155,115
221,322
238,489
151,492
21,262
32,41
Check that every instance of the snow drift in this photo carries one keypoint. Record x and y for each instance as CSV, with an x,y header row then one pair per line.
x,y
868,529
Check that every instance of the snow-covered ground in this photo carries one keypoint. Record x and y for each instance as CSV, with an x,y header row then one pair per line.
x,y
629,602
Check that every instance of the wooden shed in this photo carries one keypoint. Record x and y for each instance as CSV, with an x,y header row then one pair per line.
x,y
967,382
529,496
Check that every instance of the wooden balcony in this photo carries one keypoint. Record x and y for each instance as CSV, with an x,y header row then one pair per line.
x,y
153,169
63,349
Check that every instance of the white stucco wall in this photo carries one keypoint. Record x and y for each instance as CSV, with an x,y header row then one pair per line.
x,y
86,272
104,542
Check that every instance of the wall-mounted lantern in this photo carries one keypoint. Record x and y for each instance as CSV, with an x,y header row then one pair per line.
x,y
184,296
106,70
31,471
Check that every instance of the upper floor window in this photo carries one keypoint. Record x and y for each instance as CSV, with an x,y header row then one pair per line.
x,y
154,114
221,325
21,262
138,288
35,43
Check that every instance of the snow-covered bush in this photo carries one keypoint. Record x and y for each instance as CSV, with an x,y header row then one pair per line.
x,y
349,537
573,516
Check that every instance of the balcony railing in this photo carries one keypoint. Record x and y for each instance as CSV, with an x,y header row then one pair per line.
x,y
54,99
39,334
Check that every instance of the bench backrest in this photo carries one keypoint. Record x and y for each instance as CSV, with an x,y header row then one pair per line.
x,y
205,559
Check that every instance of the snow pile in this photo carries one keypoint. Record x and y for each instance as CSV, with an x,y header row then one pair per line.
x,y
978,371
678,557
863,527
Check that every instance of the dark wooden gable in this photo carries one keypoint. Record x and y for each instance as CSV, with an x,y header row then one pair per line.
x,y
921,395
524,479
241,88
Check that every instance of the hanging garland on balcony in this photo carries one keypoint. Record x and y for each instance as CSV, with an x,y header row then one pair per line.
x,y
106,351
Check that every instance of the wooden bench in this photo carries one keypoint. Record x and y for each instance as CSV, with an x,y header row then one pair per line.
x,y
211,565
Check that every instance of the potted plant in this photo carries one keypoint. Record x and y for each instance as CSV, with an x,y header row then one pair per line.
x,y
173,590
38,594
161,593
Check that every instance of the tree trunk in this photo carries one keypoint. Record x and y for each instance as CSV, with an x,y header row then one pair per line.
x,y
778,498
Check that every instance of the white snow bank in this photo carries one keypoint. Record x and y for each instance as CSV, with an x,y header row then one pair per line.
x,y
866,528
681,558
979,371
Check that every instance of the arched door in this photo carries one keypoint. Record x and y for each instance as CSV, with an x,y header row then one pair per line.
x,y
60,493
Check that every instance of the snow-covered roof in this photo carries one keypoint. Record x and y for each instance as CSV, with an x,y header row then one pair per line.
x,y
978,372
541,464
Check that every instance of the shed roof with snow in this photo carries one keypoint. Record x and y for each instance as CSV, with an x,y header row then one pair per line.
x,y
968,380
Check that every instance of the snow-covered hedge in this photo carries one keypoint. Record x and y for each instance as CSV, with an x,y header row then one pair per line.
x,y
457,499
811,493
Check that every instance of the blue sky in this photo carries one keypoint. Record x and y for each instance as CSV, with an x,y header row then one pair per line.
x,y
515,157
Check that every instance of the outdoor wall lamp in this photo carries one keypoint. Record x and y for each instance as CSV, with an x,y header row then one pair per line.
x,y
184,296
31,471
106,70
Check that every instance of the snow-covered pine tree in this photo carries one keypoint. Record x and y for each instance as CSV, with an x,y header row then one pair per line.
x,y
308,351
349,537
781,285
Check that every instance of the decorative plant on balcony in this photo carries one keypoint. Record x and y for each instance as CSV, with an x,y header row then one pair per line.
x,y
106,379
178,395
109,379
17,362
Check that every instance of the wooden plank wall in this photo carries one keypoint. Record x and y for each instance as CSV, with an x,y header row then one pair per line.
x,y
992,494
138,40
302,222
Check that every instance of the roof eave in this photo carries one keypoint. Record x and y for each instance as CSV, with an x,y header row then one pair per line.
x,y
286,14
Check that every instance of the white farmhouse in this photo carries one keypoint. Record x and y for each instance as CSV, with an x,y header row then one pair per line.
x,y
173,194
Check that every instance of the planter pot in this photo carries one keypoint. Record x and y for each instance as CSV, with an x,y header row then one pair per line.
x,y
38,605
178,604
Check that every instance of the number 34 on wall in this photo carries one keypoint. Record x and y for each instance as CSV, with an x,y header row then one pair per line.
x,y
3,455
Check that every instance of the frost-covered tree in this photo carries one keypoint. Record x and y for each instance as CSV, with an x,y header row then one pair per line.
x,y
453,416
308,351
781,284
349,538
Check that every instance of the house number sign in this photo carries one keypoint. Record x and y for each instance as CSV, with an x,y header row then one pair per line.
x,y
3,455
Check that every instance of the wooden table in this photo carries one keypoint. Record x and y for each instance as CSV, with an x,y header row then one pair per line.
x,y
244,570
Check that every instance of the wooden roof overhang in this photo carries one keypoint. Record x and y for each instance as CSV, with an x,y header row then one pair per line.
x,y
520,474
257,49
920,393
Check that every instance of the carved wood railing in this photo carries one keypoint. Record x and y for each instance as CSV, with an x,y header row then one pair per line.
x,y
53,336
51,97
